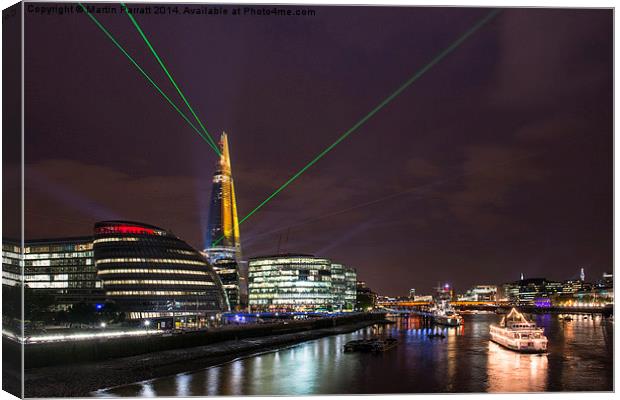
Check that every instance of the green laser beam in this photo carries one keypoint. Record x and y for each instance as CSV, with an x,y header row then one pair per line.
x,y
148,78
168,74
385,102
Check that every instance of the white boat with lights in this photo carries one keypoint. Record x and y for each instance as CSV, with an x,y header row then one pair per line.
x,y
444,314
516,333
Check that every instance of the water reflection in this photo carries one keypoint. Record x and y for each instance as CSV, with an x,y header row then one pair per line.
x,y
147,390
212,381
182,383
510,371
580,358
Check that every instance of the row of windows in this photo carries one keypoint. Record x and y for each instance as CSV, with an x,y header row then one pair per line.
x,y
231,286
289,284
145,241
11,261
283,302
284,276
157,282
226,271
288,261
48,285
291,295
10,279
179,251
35,278
10,248
148,251
162,314
152,271
64,284
149,260
48,263
89,269
77,278
116,239
152,293
58,255
58,247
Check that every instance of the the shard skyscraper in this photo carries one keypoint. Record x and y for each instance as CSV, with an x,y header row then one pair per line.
x,y
222,244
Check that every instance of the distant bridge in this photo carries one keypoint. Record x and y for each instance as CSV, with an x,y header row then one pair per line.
x,y
400,304
421,307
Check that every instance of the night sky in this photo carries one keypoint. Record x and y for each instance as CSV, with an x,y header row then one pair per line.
x,y
498,161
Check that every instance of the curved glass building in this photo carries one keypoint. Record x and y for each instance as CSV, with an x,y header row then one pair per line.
x,y
150,273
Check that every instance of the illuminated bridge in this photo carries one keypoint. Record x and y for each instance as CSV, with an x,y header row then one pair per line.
x,y
421,307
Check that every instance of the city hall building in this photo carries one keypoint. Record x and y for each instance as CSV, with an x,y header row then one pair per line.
x,y
151,274
297,282
146,271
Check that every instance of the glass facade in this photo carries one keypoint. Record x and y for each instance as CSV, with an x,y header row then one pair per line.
x,y
228,271
300,283
63,268
222,241
150,273
11,263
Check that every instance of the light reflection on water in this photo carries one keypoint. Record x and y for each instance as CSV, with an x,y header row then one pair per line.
x,y
580,358
514,372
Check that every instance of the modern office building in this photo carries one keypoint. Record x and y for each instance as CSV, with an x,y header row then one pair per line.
x,y
151,274
365,298
527,291
222,241
297,282
228,271
62,268
344,281
350,294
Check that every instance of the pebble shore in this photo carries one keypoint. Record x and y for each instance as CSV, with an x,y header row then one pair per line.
x,y
81,380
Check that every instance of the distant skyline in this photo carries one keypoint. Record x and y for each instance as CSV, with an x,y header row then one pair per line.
x,y
498,161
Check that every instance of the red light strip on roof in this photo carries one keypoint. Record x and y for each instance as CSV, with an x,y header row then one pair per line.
x,y
127,229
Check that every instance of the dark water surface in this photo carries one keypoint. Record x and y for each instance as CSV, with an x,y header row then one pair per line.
x,y
580,358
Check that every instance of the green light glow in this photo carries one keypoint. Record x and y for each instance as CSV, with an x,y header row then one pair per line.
x,y
385,102
148,78
161,63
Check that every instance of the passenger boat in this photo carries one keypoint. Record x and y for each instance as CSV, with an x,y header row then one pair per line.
x,y
516,333
444,314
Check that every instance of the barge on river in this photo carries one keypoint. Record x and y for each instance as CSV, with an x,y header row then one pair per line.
x,y
374,345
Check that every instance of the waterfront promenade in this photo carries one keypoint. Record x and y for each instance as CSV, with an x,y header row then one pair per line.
x,y
79,378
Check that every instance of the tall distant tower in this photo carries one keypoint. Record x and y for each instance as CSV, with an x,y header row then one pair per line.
x,y
582,275
222,244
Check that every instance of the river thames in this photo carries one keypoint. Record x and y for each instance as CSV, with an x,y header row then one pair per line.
x,y
580,358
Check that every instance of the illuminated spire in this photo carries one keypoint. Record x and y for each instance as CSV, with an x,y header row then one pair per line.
x,y
223,220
